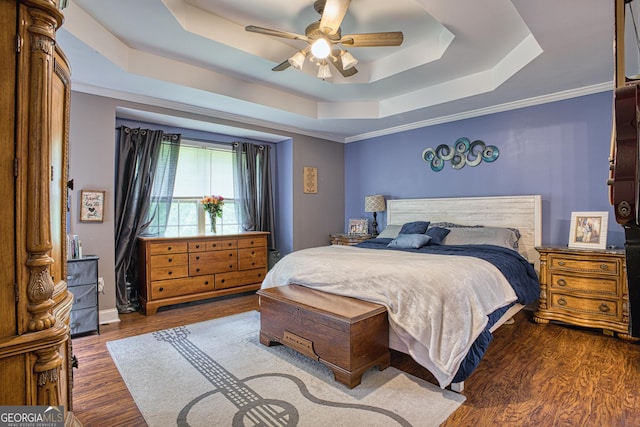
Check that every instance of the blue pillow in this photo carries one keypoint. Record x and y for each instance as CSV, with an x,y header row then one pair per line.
x,y
415,227
409,241
437,234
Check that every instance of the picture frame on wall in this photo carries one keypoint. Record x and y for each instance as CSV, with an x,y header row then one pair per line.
x,y
91,205
358,226
588,230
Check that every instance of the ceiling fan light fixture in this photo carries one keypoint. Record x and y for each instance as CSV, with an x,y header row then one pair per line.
x,y
297,60
323,70
320,48
348,61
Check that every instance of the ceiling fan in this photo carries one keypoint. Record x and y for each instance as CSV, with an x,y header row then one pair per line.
x,y
325,42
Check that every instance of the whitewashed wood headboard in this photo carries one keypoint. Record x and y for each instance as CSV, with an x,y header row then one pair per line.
x,y
521,212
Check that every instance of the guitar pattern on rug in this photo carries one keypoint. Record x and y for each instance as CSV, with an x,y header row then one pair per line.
x,y
253,409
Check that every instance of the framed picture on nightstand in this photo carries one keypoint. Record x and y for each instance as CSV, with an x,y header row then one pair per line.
x,y
588,230
359,226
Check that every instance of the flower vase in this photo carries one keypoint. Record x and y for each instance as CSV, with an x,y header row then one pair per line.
x,y
212,216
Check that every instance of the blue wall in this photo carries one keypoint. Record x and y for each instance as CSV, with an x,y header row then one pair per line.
x,y
559,150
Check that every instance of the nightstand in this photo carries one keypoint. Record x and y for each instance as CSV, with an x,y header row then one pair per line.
x,y
349,239
585,288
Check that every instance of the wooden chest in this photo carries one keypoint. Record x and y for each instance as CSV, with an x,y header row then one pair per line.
x,y
348,335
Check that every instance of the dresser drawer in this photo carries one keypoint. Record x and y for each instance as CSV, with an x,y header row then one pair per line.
x,y
168,260
252,258
85,320
169,272
212,262
593,308
82,272
84,296
239,278
601,285
600,266
254,242
219,245
187,286
167,248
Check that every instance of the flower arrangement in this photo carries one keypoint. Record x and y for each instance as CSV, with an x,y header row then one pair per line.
x,y
213,205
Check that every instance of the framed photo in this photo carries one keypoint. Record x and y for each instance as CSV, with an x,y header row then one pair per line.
x,y
588,230
359,226
91,206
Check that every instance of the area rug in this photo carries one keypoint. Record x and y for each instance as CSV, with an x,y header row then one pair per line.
x,y
216,373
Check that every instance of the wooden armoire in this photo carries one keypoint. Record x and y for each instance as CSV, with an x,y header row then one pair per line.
x,y
35,344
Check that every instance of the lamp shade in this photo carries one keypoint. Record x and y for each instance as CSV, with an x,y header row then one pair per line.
x,y
323,70
297,60
374,203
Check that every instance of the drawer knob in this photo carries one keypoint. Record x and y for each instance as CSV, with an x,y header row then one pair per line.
x,y
562,301
169,248
222,281
604,267
197,270
198,257
230,254
230,244
161,289
170,259
170,273
259,274
214,245
253,263
560,262
206,282
197,246
230,266
252,242
562,282
604,308
253,252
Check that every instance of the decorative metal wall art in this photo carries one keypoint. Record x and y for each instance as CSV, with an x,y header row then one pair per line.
x,y
463,152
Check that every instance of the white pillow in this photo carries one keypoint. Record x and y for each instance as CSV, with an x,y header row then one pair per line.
x,y
498,236
390,232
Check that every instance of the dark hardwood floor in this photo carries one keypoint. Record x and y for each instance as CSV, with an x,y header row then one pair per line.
x,y
532,375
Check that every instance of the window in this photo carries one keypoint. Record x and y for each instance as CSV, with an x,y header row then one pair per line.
x,y
203,169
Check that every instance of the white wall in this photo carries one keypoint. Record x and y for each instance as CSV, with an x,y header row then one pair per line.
x,y
91,166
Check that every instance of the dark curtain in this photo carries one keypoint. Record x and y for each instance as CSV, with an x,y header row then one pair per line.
x,y
253,188
138,154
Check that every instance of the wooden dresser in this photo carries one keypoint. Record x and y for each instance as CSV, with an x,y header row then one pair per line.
x,y
585,288
183,269
35,304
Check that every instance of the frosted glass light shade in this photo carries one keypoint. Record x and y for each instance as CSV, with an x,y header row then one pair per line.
x,y
323,70
348,61
297,60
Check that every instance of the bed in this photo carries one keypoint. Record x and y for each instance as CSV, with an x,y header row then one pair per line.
x,y
445,296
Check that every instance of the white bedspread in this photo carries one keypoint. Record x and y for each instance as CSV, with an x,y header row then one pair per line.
x,y
437,304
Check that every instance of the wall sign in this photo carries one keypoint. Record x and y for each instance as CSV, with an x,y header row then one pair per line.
x,y
463,152
310,180
91,206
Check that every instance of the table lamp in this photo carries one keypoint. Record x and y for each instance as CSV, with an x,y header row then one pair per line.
x,y
374,204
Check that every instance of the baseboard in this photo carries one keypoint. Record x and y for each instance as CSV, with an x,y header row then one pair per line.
x,y
109,316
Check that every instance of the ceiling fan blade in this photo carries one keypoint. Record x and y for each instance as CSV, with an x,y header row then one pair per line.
x,y
337,62
282,66
393,38
332,15
275,33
